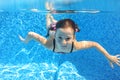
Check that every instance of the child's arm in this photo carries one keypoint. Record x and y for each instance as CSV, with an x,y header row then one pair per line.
x,y
34,36
89,44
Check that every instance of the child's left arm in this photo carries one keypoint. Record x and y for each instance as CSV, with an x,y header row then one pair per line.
x,y
89,44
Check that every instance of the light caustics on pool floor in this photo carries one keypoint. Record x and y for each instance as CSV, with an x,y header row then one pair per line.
x,y
41,71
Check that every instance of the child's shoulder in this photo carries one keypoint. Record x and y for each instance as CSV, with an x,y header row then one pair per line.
x,y
78,44
49,43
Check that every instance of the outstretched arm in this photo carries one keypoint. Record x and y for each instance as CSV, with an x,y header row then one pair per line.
x,y
34,36
89,44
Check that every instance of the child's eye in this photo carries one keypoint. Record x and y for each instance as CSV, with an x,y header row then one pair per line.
x,y
60,37
67,39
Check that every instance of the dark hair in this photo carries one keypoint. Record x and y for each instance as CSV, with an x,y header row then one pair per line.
x,y
67,23
63,24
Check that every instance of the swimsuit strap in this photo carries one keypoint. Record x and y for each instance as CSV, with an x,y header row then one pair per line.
x,y
72,47
54,46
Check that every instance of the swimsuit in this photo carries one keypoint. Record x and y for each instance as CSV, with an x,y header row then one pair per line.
x,y
52,26
62,52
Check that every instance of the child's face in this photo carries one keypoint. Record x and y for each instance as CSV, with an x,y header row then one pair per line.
x,y
64,37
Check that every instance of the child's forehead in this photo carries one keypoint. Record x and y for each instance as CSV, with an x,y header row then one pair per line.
x,y
65,32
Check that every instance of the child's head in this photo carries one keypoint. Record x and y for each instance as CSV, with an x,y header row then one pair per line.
x,y
67,23
65,32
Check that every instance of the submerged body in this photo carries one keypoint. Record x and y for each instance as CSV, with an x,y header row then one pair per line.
x,y
61,38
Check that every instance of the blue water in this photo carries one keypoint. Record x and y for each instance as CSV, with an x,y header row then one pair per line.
x,y
32,61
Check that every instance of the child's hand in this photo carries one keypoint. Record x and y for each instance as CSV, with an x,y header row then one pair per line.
x,y
22,39
114,59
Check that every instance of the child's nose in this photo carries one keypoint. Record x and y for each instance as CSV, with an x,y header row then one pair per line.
x,y
64,42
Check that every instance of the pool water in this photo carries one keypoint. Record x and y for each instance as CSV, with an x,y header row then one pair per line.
x,y
32,61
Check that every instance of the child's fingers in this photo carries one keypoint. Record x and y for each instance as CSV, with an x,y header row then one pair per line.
x,y
118,55
111,64
21,38
118,63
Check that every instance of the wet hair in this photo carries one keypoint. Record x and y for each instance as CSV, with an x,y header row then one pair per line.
x,y
67,23
64,23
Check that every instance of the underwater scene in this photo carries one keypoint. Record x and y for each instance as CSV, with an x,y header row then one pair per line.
x,y
32,61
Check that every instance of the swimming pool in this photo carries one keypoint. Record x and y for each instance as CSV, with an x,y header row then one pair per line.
x,y
19,61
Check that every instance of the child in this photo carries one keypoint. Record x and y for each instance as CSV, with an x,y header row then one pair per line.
x,y
61,39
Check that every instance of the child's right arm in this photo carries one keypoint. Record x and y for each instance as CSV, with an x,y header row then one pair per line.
x,y
88,44
34,36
